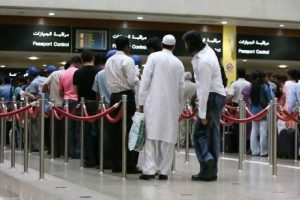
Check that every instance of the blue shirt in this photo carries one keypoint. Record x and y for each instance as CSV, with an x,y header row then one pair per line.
x,y
266,89
100,86
293,97
6,92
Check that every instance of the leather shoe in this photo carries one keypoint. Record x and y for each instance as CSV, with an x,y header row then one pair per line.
x,y
201,177
146,177
163,177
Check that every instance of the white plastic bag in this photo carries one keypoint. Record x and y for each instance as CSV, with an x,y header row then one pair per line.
x,y
137,132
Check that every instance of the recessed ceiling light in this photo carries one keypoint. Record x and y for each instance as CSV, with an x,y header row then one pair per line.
x,y
224,22
140,18
63,63
282,66
2,66
281,25
44,65
245,60
51,13
33,58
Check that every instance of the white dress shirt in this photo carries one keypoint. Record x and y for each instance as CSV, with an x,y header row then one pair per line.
x,y
120,73
237,88
208,77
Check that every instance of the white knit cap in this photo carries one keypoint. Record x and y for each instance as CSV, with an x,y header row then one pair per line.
x,y
169,40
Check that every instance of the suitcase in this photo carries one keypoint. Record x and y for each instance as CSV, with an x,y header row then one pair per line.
x,y
286,143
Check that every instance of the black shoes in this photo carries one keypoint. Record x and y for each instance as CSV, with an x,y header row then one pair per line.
x,y
146,177
208,173
163,177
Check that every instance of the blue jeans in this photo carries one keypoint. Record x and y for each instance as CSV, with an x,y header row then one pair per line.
x,y
207,137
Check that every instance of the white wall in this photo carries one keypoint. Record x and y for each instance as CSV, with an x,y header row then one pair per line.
x,y
251,9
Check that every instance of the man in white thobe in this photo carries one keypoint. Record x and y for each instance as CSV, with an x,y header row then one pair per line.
x,y
160,97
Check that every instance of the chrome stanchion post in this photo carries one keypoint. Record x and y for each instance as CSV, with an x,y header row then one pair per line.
x,y
26,138
42,136
244,131
270,132
296,134
241,138
13,136
187,103
29,135
20,130
274,138
101,108
52,129
3,132
124,135
66,133
223,135
81,133
173,169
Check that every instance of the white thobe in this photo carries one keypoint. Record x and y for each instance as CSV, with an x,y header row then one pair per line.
x,y
161,93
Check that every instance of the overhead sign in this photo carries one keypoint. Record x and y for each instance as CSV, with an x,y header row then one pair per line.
x,y
139,38
268,47
35,38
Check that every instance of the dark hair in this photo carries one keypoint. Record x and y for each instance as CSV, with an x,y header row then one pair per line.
x,y
241,72
169,47
100,59
269,74
87,56
75,60
293,73
121,43
194,39
67,65
7,80
257,82
154,43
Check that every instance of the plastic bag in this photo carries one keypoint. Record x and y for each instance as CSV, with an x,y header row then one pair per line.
x,y
137,132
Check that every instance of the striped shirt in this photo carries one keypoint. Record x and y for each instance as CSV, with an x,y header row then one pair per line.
x,y
120,73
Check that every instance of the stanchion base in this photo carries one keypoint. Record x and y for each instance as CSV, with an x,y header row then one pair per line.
x,y
66,163
173,172
240,170
274,176
295,161
186,162
101,173
52,159
81,167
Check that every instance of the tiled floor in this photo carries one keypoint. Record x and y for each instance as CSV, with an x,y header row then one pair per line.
x,y
71,182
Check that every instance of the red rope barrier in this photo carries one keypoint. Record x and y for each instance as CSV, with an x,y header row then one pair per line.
x,y
189,115
256,117
11,113
231,107
117,118
281,117
291,116
228,123
56,115
78,118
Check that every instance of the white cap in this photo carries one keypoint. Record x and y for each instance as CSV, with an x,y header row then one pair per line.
x,y
169,40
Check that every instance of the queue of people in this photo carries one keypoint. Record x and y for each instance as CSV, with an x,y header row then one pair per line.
x,y
159,91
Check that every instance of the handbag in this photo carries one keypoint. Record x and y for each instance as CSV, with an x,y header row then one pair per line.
x,y
137,132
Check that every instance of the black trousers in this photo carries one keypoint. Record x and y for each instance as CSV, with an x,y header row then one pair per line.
x,y
115,132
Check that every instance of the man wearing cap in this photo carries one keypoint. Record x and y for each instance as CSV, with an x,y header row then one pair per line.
x,y
211,100
160,97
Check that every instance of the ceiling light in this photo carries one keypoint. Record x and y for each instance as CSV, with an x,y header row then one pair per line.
x,y
33,58
44,65
51,13
63,63
140,18
245,60
281,25
2,66
282,66
224,22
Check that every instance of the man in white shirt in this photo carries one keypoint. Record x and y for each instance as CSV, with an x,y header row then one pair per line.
x,y
160,97
235,92
121,80
211,100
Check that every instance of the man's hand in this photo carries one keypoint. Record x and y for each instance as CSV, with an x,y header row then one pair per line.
x,y
204,121
141,109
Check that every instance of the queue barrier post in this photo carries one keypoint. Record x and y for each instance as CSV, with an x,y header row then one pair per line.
x,y
66,133
52,130
3,132
241,104
187,106
270,131
20,130
244,131
81,133
124,135
223,135
26,138
13,136
29,135
101,108
274,138
42,135
296,133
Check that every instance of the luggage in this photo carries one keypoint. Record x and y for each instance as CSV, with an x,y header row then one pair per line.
x,y
231,140
286,143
